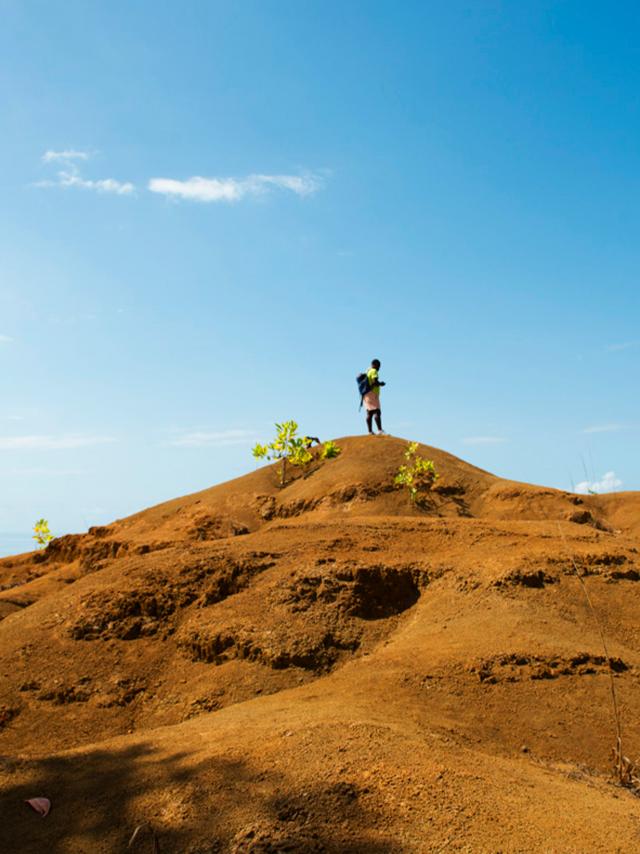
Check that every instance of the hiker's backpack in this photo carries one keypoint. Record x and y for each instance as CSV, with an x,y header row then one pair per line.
x,y
363,386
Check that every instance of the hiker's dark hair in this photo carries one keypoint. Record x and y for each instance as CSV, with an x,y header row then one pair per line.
x,y
375,363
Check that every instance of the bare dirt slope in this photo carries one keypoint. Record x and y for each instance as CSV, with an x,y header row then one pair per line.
x,y
326,667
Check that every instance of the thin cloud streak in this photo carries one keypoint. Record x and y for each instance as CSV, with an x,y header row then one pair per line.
x,y
70,176
51,443
604,428
201,189
209,439
103,185
196,188
45,472
626,345
484,440
68,154
5,339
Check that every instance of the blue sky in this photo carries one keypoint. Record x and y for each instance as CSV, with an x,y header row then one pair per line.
x,y
214,214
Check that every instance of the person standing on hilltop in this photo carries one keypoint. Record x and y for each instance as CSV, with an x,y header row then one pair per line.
x,y
371,399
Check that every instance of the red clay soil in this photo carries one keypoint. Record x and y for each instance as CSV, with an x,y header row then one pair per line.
x,y
326,667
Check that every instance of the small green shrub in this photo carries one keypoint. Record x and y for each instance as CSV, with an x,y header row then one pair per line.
x,y
41,533
418,475
287,447
330,451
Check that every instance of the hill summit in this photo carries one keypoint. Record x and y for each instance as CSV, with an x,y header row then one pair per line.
x,y
326,666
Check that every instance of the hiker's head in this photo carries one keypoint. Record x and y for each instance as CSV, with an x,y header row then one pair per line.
x,y
376,364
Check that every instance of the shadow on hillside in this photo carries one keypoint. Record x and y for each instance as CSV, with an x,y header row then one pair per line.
x,y
213,806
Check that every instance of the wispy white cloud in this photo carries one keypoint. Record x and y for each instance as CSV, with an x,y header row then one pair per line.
x,y
212,439
233,189
66,155
5,339
51,443
625,345
608,483
44,472
484,440
302,185
103,185
604,428
196,188
70,175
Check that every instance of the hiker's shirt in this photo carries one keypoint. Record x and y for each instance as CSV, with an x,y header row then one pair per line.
x,y
371,399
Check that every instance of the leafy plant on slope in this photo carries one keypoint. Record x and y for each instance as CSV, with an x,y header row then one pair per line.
x,y
287,447
418,474
330,451
41,533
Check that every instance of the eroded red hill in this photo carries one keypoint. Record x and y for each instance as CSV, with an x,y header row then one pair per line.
x,y
327,667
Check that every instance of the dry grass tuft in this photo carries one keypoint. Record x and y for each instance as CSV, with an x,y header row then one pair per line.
x,y
625,771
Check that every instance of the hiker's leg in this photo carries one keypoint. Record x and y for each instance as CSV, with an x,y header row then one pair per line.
x,y
378,415
370,420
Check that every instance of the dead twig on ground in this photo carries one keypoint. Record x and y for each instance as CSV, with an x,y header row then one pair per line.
x,y
154,839
626,772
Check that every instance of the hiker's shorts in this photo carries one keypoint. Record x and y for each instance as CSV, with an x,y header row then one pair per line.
x,y
371,401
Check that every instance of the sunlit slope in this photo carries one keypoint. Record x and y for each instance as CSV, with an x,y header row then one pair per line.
x,y
327,666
